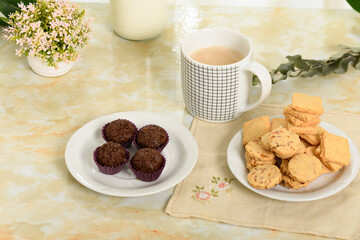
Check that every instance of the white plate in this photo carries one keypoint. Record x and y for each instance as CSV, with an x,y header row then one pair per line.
x,y
324,186
180,153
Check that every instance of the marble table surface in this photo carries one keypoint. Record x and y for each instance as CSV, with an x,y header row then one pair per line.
x,y
39,199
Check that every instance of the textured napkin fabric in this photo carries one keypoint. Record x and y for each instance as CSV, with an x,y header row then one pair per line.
x,y
211,192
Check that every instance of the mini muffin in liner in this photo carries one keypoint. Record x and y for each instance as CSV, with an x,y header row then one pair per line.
x,y
161,147
148,177
110,170
124,144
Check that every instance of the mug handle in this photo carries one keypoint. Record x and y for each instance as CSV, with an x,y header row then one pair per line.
x,y
265,79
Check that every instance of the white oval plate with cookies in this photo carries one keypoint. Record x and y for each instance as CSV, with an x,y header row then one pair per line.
x,y
322,187
180,153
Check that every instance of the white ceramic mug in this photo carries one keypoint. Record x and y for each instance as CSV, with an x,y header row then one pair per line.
x,y
220,93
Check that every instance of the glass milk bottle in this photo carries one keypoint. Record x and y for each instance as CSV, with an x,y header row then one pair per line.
x,y
138,19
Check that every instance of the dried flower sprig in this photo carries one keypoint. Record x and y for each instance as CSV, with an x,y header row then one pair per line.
x,y
299,67
49,29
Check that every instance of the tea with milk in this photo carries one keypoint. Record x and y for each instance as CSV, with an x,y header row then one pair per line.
x,y
217,55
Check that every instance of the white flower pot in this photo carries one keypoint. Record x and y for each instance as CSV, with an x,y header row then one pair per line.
x,y
43,69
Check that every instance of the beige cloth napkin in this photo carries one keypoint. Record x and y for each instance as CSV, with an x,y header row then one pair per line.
x,y
211,192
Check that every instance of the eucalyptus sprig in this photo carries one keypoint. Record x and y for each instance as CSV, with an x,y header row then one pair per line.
x,y
299,67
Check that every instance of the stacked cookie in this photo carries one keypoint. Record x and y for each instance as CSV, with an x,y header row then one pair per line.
x,y
256,154
333,151
292,151
303,115
300,170
287,146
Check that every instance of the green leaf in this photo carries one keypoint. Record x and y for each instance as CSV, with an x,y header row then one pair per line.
x,y
329,69
357,66
3,21
272,74
355,62
336,56
7,8
355,49
343,65
256,81
282,77
10,6
298,62
316,63
342,46
285,67
294,74
355,4
16,2
310,73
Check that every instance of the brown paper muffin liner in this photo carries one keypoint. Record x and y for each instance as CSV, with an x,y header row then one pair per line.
x,y
111,170
147,177
125,144
160,148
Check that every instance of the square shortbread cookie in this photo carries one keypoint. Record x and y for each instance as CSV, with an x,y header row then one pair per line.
x,y
299,123
278,122
332,166
335,149
300,115
305,103
301,130
255,128
313,139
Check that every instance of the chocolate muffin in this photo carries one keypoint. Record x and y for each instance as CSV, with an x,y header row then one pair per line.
x,y
151,136
120,131
111,157
147,164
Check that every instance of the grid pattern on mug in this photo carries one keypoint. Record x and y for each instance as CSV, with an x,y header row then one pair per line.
x,y
210,92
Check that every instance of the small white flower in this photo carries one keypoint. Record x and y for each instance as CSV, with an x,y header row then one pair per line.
x,y
20,42
31,7
22,6
18,52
